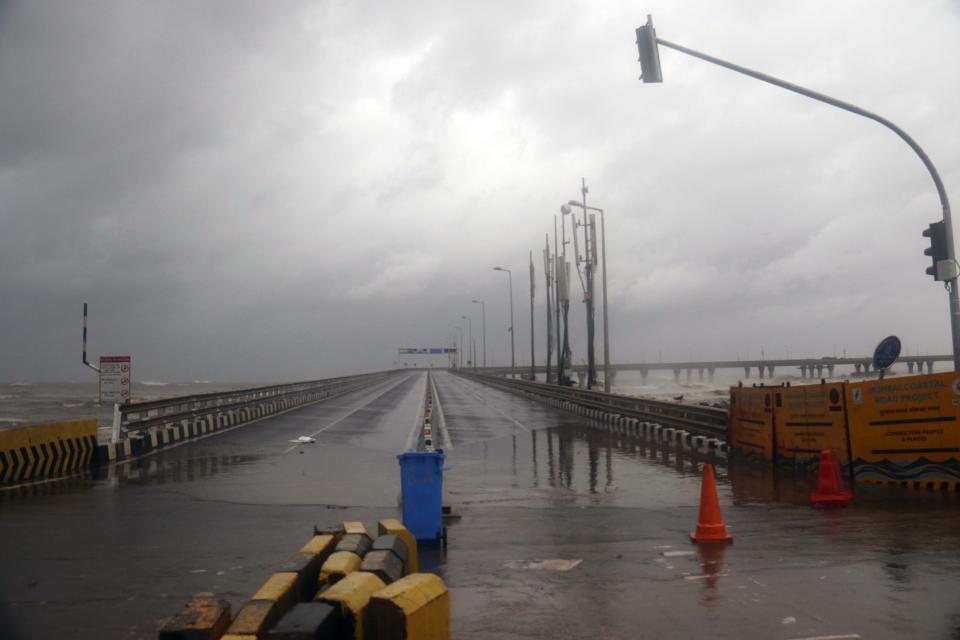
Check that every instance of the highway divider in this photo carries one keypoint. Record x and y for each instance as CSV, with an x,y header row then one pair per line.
x,y
147,426
380,597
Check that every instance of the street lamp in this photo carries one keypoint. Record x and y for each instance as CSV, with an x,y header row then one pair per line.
x,y
473,356
513,361
483,316
946,269
606,325
460,350
563,297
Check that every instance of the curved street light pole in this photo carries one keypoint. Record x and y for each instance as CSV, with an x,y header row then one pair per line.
x,y
646,39
513,361
483,317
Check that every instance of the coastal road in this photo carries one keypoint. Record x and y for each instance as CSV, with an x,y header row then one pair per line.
x,y
566,530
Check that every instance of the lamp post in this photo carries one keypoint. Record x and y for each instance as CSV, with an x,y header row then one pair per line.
x,y
483,318
460,350
513,361
470,324
563,279
533,359
945,269
606,325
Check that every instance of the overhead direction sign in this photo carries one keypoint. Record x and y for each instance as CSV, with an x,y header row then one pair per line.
x,y
115,379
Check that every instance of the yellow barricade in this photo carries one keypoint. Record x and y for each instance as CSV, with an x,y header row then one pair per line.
x,y
751,420
809,419
905,431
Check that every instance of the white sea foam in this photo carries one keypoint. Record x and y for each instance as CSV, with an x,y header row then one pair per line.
x,y
22,384
153,383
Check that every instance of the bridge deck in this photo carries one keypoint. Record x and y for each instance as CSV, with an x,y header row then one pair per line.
x,y
113,557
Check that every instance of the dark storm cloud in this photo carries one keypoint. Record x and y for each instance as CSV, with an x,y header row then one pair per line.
x,y
251,191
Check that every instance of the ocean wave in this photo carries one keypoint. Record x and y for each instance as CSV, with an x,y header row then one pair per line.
x,y
22,384
153,383
202,382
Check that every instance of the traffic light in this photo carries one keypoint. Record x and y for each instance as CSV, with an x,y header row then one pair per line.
x,y
649,54
938,248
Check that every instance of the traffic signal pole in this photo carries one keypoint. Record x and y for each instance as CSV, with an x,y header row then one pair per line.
x,y
647,42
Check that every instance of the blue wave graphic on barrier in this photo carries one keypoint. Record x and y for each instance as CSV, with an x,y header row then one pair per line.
x,y
918,469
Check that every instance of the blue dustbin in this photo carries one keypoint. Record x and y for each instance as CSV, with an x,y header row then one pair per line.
x,y
421,488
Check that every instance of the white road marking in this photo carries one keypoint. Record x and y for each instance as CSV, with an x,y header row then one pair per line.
x,y
347,415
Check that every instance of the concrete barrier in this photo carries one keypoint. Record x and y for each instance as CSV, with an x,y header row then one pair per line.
x,y
416,607
309,620
204,617
277,595
394,527
350,597
46,450
339,565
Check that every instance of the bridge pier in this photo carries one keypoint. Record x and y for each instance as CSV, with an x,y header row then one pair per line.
x,y
761,369
676,376
643,376
856,367
803,371
582,379
710,373
910,367
613,379
830,370
746,372
770,370
688,375
929,366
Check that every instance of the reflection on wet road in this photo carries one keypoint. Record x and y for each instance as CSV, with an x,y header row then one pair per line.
x,y
567,530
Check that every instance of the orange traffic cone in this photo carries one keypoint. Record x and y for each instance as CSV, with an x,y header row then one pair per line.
x,y
830,491
710,526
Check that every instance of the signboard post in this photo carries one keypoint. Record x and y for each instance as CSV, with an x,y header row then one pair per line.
x,y
886,354
115,379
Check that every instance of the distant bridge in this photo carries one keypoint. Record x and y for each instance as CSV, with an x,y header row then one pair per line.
x,y
808,367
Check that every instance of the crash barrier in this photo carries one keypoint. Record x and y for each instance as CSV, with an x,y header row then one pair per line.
x,y
899,431
48,450
146,426
421,490
694,426
316,595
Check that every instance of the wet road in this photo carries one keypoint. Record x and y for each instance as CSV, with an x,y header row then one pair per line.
x,y
609,513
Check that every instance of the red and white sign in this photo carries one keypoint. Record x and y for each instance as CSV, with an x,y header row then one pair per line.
x,y
115,378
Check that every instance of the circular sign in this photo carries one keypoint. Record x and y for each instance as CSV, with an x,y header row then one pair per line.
x,y
886,352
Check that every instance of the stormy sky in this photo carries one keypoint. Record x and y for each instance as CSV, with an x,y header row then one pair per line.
x,y
254,191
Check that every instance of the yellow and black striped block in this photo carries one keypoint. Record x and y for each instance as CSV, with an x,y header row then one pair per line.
x,y
46,450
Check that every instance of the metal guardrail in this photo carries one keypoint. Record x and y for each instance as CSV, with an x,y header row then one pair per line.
x,y
697,419
143,415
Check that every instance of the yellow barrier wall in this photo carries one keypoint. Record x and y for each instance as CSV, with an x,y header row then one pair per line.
x,y
46,450
810,418
751,420
905,430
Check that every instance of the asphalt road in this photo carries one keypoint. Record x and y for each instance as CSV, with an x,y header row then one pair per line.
x,y
567,531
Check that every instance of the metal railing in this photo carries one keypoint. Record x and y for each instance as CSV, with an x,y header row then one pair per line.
x,y
697,419
143,415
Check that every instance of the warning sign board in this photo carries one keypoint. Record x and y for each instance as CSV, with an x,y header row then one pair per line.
x,y
906,429
809,420
751,420
115,379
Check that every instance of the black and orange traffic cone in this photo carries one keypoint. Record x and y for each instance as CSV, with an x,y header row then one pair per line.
x,y
710,527
830,491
